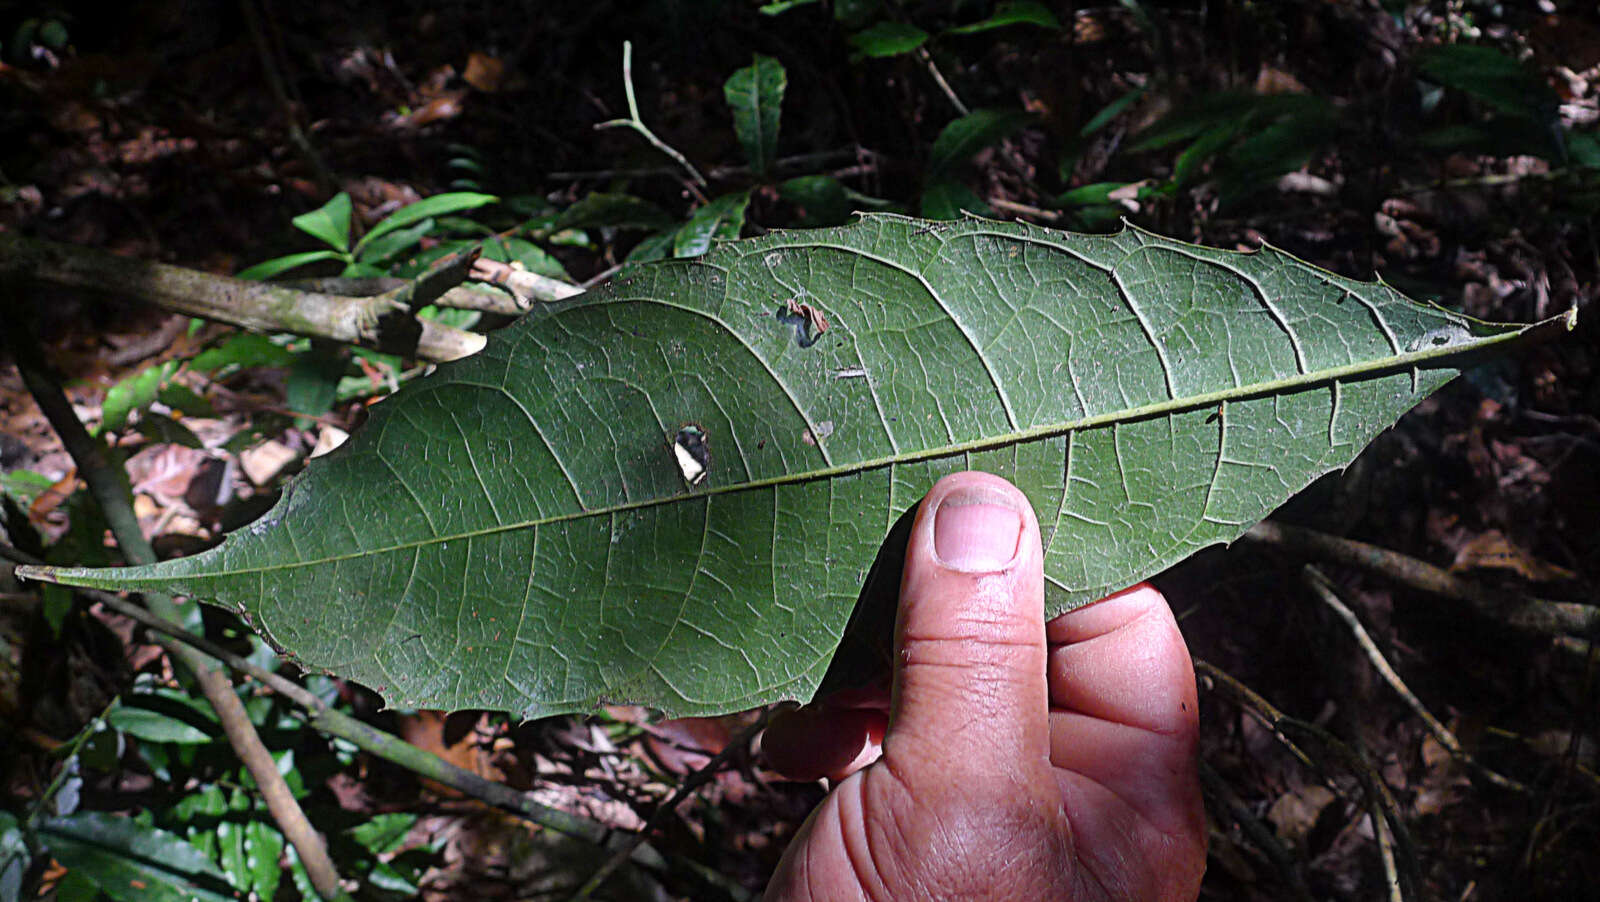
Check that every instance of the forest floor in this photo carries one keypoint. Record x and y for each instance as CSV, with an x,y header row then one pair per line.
x,y
153,131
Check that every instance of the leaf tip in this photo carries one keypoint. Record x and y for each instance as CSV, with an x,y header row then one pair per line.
x,y
37,573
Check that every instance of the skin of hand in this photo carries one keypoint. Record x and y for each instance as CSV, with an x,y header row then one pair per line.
x,y
1013,759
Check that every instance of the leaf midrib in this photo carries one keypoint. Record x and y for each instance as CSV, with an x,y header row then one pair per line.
x,y
1172,405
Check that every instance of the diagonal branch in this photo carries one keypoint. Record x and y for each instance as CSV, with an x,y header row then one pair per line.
x,y
1535,615
1323,588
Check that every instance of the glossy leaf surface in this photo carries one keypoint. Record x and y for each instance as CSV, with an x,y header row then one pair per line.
x,y
514,532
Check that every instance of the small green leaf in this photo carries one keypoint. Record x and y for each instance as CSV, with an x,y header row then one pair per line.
x,y
949,199
204,803
383,833
184,400
359,270
165,715
1584,149
313,382
755,94
1017,12
266,269
438,205
386,877
329,223
1088,195
1110,111
723,218
821,199
242,351
391,245
164,430
135,393
132,862
959,140
782,6
855,13
532,257
1230,111
656,247
888,39
1190,164
263,845
57,605
155,726
231,855
1492,77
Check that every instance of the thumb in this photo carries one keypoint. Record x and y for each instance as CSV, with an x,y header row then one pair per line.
x,y
969,683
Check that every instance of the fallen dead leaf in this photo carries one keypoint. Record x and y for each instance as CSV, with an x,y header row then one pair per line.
x,y
1295,813
484,72
1493,551
265,461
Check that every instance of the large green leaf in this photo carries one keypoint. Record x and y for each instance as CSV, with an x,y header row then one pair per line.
x,y
514,532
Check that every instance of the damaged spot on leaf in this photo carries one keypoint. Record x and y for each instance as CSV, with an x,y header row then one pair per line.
x,y
823,430
809,323
1443,337
692,450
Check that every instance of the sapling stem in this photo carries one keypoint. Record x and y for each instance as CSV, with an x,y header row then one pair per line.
x,y
637,124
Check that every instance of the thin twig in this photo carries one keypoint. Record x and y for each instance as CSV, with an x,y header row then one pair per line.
x,y
601,276
1323,588
1259,834
1490,180
1391,873
805,162
1535,615
1380,800
108,485
691,784
1025,209
637,124
938,78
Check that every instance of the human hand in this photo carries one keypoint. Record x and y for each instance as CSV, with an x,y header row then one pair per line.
x,y
1014,759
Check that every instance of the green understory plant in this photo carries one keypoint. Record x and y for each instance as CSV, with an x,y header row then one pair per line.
x,y
386,242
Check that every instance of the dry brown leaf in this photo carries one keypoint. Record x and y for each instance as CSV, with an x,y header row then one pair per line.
x,y
1492,550
265,461
484,72
1295,813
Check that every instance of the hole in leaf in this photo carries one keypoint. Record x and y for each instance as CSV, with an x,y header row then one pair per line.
x,y
692,450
